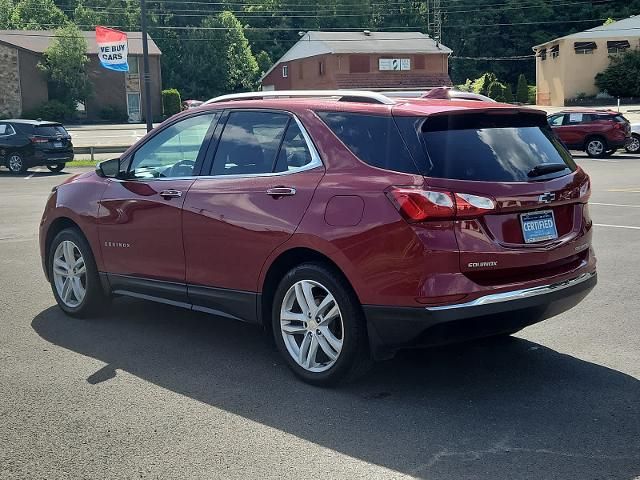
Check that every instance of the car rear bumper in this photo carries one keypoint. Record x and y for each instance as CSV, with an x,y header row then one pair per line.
x,y
392,328
50,158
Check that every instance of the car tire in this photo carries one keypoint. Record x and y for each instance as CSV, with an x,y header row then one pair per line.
x,y
596,147
16,163
326,342
73,275
58,167
633,145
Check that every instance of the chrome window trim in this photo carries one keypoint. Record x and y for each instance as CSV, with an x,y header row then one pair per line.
x,y
517,294
316,162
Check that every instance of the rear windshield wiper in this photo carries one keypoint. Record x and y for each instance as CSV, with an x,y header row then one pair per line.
x,y
545,168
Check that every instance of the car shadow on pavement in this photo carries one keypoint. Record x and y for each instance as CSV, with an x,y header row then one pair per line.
x,y
495,409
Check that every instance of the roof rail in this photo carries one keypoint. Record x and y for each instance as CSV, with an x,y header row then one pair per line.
x,y
346,95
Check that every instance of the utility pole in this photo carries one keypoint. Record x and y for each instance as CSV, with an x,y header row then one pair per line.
x,y
434,19
146,77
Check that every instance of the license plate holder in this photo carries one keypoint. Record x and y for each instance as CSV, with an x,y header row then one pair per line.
x,y
57,144
538,226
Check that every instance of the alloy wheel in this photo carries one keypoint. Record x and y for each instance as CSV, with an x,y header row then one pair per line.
x,y
311,325
595,147
634,145
69,273
15,163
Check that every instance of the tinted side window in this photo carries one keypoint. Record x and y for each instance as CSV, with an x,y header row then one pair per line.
x,y
373,139
294,152
50,130
172,152
5,129
249,143
556,120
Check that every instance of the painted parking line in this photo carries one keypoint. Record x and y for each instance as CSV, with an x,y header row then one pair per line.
x,y
37,170
625,190
616,226
614,204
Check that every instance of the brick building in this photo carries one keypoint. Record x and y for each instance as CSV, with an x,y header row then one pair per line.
x,y
361,60
23,86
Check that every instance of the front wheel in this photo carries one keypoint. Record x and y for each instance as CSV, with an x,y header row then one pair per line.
x,y
16,163
74,275
57,167
319,326
633,145
595,147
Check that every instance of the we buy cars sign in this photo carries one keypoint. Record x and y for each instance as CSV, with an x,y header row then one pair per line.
x,y
112,49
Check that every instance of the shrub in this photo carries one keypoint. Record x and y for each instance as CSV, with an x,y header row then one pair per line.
x,y
171,102
113,114
508,94
53,110
531,97
495,91
522,90
620,78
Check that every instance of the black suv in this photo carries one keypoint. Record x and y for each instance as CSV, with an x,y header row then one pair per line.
x,y
29,143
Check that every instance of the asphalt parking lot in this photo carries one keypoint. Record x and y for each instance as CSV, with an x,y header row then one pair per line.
x,y
149,391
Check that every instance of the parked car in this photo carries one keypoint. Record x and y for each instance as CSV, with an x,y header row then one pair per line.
x,y
597,132
189,104
31,143
449,93
349,227
633,145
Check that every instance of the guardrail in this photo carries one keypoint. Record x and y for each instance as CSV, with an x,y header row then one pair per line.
x,y
94,150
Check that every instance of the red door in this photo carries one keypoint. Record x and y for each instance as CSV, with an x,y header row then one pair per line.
x,y
265,172
140,217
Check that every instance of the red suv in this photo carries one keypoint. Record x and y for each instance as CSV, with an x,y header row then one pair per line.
x,y
597,132
350,226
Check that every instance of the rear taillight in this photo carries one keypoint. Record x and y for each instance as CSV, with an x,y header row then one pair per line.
x,y
38,140
418,205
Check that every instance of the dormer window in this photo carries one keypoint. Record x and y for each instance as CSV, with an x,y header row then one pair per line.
x,y
555,51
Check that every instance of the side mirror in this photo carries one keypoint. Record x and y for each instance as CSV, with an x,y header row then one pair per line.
x,y
109,168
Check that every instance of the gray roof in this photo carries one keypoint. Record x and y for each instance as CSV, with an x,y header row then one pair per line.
x,y
627,28
322,43
39,40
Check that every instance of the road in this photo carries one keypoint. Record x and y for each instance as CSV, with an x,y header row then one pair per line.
x,y
150,391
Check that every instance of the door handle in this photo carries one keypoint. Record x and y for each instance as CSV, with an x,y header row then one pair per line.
x,y
281,191
167,194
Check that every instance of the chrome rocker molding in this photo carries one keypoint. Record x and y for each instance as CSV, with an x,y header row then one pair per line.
x,y
517,294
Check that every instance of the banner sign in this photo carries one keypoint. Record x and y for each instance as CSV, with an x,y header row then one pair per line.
x,y
112,49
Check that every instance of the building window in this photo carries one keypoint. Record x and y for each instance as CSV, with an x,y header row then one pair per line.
x,y
542,53
321,67
133,65
618,46
285,71
555,51
584,48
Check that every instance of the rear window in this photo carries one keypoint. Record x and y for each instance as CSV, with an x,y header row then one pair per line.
x,y
486,147
374,139
50,130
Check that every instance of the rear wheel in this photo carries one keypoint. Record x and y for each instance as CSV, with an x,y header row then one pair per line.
x,y
74,275
16,163
57,167
319,326
633,145
595,147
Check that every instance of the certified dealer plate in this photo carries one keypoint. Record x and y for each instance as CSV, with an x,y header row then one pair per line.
x,y
538,226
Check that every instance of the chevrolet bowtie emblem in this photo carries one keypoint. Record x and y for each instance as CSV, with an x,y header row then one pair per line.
x,y
547,197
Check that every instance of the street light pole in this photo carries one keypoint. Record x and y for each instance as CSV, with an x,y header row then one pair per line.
x,y
146,77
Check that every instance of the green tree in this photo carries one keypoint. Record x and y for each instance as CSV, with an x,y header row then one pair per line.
x,y
64,63
264,62
495,91
508,93
37,15
522,90
6,11
620,78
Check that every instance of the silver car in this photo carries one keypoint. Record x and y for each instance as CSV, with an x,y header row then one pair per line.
x,y
633,145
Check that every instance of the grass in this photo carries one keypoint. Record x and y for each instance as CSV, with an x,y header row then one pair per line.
x,y
83,162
